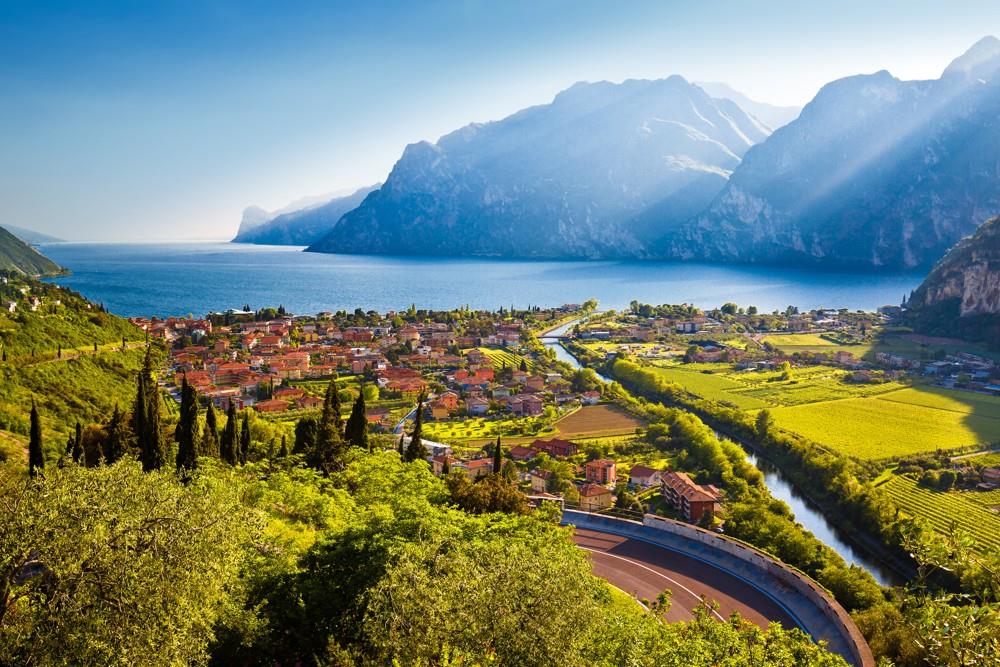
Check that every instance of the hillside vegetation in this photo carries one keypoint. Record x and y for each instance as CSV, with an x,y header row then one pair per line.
x,y
18,257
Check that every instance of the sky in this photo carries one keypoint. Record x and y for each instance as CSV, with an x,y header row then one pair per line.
x,y
149,121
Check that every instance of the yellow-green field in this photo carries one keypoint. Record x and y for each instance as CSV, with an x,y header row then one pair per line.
x,y
881,427
868,421
892,342
977,512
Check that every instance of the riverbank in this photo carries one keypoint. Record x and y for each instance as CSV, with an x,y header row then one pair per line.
x,y
865,553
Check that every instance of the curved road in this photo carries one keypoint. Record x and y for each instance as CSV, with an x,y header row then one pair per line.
x,y
644,570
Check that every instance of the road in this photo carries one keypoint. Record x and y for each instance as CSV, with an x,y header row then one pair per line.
x,y
644,570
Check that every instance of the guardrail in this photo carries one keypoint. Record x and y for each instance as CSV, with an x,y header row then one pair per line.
x,y
682,537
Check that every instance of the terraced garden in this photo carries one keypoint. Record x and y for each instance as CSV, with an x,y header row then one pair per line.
x,y
976,512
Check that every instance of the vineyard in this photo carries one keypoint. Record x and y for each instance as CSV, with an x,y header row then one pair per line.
x,y
874,428
974,511
501,358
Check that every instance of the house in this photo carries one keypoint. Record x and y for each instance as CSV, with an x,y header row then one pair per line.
x,y
477,407
309,402
601,471
590,397
438,410
519,453
438,463
449,399
555,447
476,468
594,497
694,502
273,405
644,477
526,405
540,480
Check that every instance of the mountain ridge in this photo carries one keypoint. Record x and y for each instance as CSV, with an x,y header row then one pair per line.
x,y
16,256
594,173
297,226
874,173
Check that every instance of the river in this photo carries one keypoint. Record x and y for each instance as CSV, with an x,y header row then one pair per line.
x,y
780,487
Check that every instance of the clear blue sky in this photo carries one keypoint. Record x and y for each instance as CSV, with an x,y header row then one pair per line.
x,y
162,120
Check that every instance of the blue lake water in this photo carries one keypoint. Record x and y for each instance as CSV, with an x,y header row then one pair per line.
x,y
181,278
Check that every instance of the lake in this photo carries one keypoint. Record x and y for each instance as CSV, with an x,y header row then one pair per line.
x,y
181,278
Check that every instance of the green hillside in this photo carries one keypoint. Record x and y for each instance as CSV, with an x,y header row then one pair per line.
x,y
16,256
48,336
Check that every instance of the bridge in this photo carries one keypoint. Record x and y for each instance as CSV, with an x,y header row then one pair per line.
x,y
645,556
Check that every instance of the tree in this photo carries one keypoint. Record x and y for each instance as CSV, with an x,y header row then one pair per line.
x,y
497,457
116,441
187,428
111,566
78,443
227,447
283,452
327,453
245,438
36,460
416,450
305,435
210,436
152,447
764,423
356,430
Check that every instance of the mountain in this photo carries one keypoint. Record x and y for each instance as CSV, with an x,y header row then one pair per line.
x,y
875,172
598,172
30,235
300,226
18,257
771,115
961,295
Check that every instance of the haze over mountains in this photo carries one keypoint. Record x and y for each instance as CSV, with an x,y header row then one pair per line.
x,y
874,172
17,256
300,223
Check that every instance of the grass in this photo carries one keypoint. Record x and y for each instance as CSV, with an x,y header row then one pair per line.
x,y
976,512
880,428
480,429
714,386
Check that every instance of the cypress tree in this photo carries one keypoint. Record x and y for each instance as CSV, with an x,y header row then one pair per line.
x,y
446,466
70,443
210,437
139,411
305,436
151,443
227,447
416,450
399,447
245,438
36,460
331,407
283,452
78,444
356,430
327,455
187,428
497,457
116,444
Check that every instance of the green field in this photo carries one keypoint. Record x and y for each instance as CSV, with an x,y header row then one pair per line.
x,y
974,511
715,386
890,342
879,428
478,428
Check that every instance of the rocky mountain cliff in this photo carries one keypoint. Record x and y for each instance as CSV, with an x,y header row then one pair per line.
x,y
599,172
299,226
875,172
17,256
961,295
